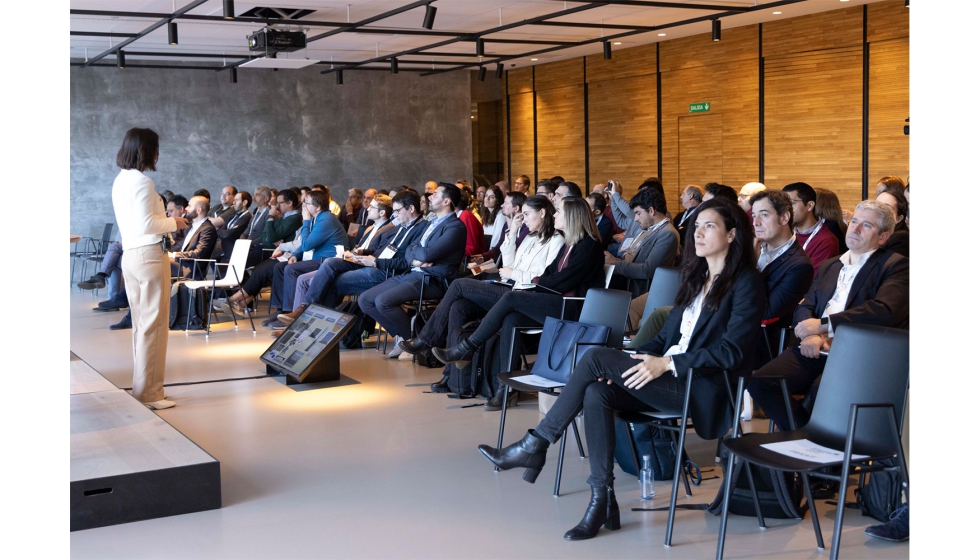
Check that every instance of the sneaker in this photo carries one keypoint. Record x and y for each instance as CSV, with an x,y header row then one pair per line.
x,y
221,306
897,528
288,318
277,325
406,357
396,351
160,405
269,321
96,282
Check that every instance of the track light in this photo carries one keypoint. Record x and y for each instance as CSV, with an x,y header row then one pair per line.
x,y
120,59
483,73
430,17
500,70
172,32
394,65
479,47
229,11
234,75
340,77
716,30
606,50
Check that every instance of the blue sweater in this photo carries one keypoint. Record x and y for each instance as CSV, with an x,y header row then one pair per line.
x,y
326,233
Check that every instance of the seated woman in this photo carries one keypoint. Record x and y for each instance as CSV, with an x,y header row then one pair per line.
x,y
712,328
491,216
575,267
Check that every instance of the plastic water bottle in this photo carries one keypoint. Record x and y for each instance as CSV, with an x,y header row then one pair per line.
x,y
646,479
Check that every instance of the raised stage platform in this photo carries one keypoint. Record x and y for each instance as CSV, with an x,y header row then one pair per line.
x,y
127,463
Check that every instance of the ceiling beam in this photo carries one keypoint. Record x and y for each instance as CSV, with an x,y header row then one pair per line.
x,y
100,34
652,4
595,25
143,33
138,54
363,22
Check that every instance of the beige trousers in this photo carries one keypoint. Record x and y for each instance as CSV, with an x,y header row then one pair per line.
x,y
147,273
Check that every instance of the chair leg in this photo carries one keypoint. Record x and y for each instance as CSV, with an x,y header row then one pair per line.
x,y
578,439
842,493
729,473
561,460
755,496
503,420
633,450
677,463
207,326
812,506
679,451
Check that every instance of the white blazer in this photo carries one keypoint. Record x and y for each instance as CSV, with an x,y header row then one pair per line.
x,y
140,214
532,257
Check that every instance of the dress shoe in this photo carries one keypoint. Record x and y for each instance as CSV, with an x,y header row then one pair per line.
x,y
441,386
96,282
114,304
897,528
603,510
160,405
529,453
288,318
125,323
414,346
497,402
459,355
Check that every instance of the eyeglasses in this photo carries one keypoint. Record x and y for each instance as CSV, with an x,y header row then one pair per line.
x,y
395,210
374,207
795,201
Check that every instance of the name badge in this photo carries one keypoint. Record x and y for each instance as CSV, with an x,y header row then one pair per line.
x,y
388,252
625,245
307,256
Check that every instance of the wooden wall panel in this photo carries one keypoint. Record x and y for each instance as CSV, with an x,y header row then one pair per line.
x,y
888,147
740,43
625,63
813,120
623,131
814,32
503,139
522,134
564,73
887,20
700,149
561,133
520,80
737,101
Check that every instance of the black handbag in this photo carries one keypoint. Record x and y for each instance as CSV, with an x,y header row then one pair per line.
x,y
558,340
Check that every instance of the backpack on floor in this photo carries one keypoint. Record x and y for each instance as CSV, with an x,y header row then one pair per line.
x,y
479,378
780,493
650,440
882,494
188,309
361,323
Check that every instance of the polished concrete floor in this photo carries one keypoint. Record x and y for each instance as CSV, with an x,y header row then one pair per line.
x,y
378,468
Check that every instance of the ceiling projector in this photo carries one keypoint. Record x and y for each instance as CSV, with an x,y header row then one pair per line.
x,y
276,40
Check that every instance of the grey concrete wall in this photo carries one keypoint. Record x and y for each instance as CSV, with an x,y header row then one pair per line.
x,y
279,129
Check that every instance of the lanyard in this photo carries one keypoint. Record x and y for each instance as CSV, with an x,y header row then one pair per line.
x,y
407,230
812,233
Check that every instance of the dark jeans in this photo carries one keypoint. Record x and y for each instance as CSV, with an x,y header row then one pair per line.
x,y
453,312
665,393
800,373
383,302
323,288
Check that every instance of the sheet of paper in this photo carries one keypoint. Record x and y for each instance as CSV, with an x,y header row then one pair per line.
x,y
537,381
808,451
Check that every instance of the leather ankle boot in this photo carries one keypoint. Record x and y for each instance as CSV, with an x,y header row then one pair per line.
x,y
414,346
603,510
458,355
497,402
529,453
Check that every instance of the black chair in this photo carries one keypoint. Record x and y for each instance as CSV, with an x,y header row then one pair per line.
x,y
664,285
859,410
94,250
601,307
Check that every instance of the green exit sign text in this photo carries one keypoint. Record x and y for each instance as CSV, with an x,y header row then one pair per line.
x,y
700,107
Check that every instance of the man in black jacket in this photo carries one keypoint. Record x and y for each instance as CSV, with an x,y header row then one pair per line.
x,y
435,261
866,285
198,242
232,230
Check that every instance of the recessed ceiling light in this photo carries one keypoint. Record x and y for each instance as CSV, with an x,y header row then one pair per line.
x,y
661,34
617,43
776,13
533,59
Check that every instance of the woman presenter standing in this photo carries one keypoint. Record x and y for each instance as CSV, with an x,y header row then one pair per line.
x,y
143,222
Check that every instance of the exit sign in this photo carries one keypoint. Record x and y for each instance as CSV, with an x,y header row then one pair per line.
x,y
700,107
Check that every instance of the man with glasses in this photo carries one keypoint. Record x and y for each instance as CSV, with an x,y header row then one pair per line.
x,y
281,224
522,184
318,286
748,190
818,242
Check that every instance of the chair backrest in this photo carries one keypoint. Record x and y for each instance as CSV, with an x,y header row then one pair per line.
x,y
608,270
664,285
106,238
239,256
607,307
867,364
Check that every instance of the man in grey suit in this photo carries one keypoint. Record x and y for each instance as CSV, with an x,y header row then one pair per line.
x,y
255,228
656,243
435,260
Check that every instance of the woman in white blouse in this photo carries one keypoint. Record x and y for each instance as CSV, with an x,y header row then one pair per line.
x,y
143,221
491,216
710,330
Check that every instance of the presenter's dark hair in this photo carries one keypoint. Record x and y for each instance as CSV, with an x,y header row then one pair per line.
x,y
453,193
537,203
139,150
694,270
648,198
408,198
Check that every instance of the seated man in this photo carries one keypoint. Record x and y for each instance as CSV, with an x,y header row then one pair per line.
x,y
311,287
223,212
437,255
866,285
513,202
623,216
233,229
177,207
198,242
656,243
690,199
818,242
597,202
899,240
282,222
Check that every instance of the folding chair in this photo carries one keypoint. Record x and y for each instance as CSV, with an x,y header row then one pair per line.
x,y
601,307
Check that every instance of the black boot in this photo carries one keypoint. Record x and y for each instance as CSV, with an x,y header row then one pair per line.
x,y
497,402
96,282
529,453
126,323
602,510
459,355
441,386
414,346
